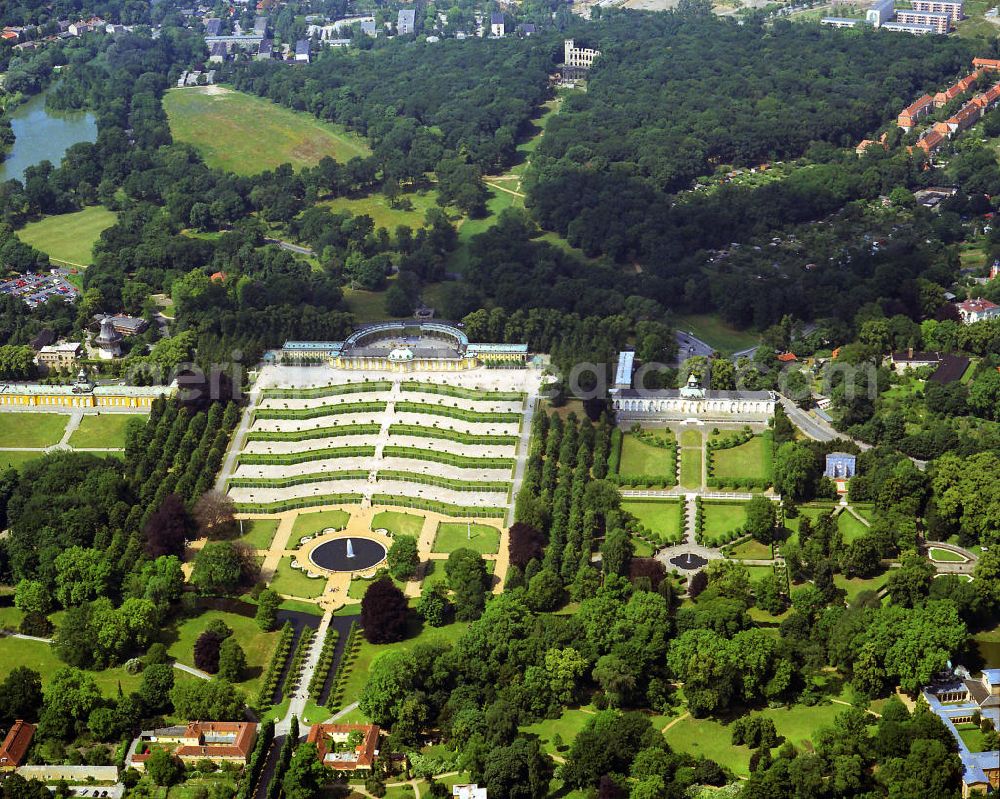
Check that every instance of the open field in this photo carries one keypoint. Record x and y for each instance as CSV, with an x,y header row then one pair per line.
x,y
640,459
855,585
69,238
751,549
482,538
850,528
660,516
31,429
752,459
310,523
106,430
247,135
716,333
257,645
567,727
293,582
384,215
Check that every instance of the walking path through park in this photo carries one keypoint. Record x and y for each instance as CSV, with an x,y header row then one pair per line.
x,y
677,720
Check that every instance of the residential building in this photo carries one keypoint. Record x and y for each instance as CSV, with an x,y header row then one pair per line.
x,y
911,359
217,53
880,12
977,310
497,25
406,22
958,698
260,26
956,89
952,8
265,52
526,29
916,30
468,792
333,745
58,356
129,325
302,51
578,57
986,63
213,26
914,112
938,23
15,745
218,741
841,22
931,141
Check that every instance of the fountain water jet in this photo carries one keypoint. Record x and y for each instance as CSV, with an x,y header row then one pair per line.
x,y
350,548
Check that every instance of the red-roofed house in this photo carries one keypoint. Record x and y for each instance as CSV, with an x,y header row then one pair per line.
x,y
15,746
956,89
977,310
931,141
218,277
218,741
914,112
964,118
986,63
334,749
787,357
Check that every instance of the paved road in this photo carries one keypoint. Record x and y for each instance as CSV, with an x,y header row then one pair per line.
x,y
688,345
287,245
813,426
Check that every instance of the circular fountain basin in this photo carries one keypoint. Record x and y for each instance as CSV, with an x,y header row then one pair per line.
x,y
332,555
688,561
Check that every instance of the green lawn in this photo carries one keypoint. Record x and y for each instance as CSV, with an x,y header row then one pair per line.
x,y
722,517
358,670
382,214
752,459
945,555
16,460
751,549
691,438
716,333
106,430
450,536
712,738
247,135
42,658
259,533
690,468
640,459
10,618
293,582
257,645
850,528
31,429
972,736
69,238
398,523
310,523
567,726
359,587
856,585
660,516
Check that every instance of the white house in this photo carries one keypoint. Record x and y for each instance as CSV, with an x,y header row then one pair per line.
x,y
977,310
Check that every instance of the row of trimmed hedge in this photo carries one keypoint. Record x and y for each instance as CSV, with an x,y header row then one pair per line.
x,y
462,414
315,432
419,431
644,480
326,391
248,782
615,455
319,410
442,482
297,480
718,540
294,503
458,461
435,506
323,665
739,483
351,648
462,393
291,458
295,670
269,685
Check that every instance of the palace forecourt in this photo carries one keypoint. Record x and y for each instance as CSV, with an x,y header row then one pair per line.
x,y
400,414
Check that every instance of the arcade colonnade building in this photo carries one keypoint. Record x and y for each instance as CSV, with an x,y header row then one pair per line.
x,y
690,403
404,347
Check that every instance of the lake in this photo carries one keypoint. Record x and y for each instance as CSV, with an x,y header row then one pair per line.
x,y
44,135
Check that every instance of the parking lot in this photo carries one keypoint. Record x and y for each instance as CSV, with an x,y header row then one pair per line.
x,y
36,289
